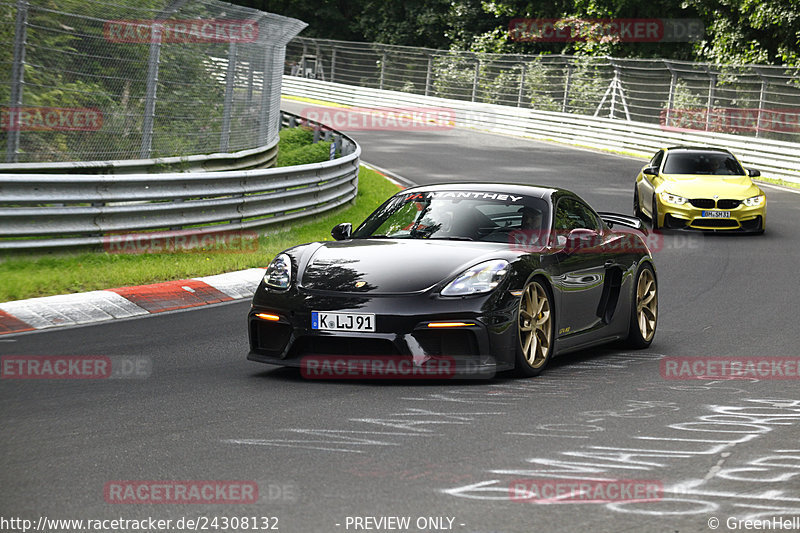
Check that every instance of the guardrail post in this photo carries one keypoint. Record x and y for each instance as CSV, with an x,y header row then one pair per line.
x,y
428,75
17,81
230,78
521,84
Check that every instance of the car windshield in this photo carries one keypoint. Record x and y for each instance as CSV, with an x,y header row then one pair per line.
x,y
456,215
715,163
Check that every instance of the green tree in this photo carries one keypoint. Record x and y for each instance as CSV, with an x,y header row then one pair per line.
x,y
750,31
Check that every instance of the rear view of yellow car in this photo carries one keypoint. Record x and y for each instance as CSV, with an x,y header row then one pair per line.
x,y
699,188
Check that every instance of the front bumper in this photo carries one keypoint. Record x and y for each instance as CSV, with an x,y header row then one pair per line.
x,y
687,216
402,329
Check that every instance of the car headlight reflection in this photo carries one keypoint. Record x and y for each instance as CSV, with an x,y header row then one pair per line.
x,y
478,279
279,272
673,198
754,201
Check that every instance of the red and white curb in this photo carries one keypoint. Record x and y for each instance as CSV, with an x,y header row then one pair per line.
x,y
126,302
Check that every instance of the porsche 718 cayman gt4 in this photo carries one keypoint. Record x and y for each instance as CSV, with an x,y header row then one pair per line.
x,y
493,276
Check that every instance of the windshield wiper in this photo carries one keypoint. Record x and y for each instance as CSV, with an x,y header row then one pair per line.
x,y
452,238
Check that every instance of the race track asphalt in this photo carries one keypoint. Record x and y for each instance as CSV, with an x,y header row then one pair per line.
x,y
325,453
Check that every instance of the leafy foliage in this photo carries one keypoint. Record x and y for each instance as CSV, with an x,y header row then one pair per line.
x,y
737,31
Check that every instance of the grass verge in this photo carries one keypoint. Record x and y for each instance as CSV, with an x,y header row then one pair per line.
x,y
31,276
778,181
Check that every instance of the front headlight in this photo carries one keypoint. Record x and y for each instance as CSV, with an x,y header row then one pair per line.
x,y
754,201
482,277
279,272
673,198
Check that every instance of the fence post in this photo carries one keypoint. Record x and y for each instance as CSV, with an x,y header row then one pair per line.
x,y
567,84
333,61
150,95
383,69
712,85
475,80
265,88
428,75
230,78
250,72
673,82
318,70
762,95
17,80
614,85
521,84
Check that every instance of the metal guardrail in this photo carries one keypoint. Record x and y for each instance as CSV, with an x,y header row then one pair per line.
x,y
43,210
774,158
261,157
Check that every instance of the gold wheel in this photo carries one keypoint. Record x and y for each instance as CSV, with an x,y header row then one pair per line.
x,y
646,304
534,324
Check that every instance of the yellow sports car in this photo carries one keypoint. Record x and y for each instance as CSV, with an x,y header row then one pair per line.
x,y
701,188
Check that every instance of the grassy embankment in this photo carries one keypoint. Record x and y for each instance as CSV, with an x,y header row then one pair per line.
x,y
33,275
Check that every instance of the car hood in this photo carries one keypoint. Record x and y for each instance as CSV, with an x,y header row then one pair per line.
x,y
704,186
392,265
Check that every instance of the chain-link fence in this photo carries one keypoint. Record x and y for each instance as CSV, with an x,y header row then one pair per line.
x,y
96,80
752,100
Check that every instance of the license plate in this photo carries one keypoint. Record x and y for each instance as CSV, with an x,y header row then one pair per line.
x,y
342,321
717,214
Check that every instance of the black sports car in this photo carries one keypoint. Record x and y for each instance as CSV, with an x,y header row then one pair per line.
x,y
491,276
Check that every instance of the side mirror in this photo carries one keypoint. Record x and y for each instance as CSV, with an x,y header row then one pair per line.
x,y
579,238
650,171
342,231
753,173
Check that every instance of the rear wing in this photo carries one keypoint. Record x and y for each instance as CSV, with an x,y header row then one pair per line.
x,y
616,219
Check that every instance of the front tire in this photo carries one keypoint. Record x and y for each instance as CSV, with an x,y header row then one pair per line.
x,y
637,210
654,213
535,329
644,309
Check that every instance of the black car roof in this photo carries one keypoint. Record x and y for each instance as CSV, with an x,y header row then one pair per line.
x,y
697,149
